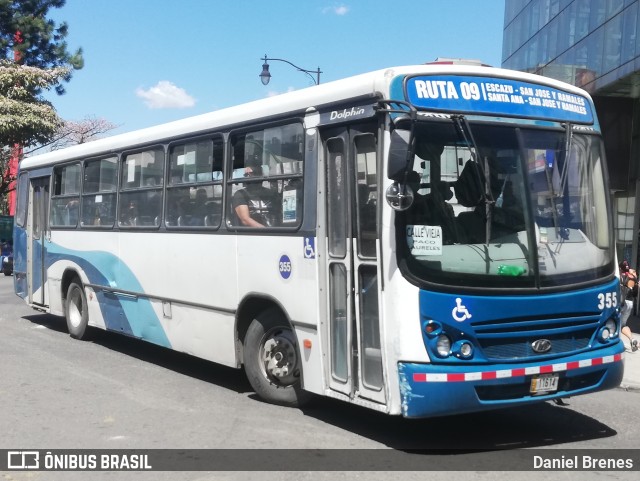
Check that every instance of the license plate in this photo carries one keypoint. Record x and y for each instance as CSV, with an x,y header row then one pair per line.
x,y
544,383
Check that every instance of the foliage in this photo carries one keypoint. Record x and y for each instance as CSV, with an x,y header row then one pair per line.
x,y
34,57
25,118
78,132
29,38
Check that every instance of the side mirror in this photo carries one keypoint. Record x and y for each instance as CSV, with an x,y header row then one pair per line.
x,y
399,197
400,152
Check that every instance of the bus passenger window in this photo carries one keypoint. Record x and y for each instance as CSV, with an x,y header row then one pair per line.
x,y
266,178
99,192
65,201
194,194
142,179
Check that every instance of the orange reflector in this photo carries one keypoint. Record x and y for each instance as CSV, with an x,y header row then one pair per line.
x,y
307,343
429,328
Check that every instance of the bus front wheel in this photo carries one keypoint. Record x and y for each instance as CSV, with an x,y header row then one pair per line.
x,y
272,360
76,311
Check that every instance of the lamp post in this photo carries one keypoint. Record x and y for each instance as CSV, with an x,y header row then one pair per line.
x,y
265,75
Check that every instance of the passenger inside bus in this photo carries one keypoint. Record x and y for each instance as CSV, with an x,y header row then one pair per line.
x,y
71,212
130,214
200,206
254,205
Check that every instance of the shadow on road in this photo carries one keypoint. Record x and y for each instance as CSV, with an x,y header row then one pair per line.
x,y
538,425
223,376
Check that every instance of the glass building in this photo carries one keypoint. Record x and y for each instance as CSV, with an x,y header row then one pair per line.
x,y
593,44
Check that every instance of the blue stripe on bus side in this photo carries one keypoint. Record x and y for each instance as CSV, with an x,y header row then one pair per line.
x,y
133,317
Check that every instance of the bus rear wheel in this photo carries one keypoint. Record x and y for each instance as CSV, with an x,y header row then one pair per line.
x,y
76,311
272,360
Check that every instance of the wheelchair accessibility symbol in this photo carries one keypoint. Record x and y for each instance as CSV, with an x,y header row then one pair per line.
x,y
460,313
309,248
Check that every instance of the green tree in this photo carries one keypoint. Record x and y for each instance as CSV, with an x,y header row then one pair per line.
x,y
26,118
28,37
34,56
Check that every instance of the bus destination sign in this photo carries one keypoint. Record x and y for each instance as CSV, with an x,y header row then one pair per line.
x,y
497,96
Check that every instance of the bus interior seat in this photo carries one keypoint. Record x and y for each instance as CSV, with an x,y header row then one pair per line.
x,y
185,220
212,220
471,227
470,186
145,220
105,219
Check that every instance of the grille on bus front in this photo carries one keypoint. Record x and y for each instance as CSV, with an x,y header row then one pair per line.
x,y
513,338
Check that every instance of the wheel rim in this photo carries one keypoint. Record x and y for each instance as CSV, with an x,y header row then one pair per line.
x,y
278,357
75,308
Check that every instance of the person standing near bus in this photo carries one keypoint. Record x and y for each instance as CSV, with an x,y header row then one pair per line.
x,y
629,290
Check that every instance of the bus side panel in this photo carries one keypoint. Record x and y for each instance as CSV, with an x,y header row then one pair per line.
x,y
200,332
95,262
277,267
156,304
191,281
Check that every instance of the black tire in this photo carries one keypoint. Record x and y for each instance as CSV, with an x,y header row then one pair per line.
x,y
76,311
272,360
6,273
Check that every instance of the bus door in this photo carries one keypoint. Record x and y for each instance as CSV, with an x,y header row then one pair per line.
x,y
37,225
349,241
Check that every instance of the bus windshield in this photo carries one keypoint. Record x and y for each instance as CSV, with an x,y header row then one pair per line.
x,y
506,206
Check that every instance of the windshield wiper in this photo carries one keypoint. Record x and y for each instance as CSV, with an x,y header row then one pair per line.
x,y
463,126
561,232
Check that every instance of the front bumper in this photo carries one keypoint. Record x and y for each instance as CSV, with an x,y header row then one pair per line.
x,y
437,390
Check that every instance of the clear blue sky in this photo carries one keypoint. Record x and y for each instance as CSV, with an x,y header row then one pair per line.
x,y
154,61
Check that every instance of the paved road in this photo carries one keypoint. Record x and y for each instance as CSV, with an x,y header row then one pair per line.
x,y
115,392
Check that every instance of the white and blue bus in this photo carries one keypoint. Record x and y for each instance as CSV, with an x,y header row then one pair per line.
x,y
422,240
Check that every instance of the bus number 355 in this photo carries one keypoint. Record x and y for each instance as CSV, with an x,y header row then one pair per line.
x,y
609,299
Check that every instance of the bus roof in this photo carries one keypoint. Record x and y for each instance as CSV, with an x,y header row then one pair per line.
x,y
359,86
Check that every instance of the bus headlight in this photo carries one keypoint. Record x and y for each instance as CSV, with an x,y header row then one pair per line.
x,y
608,331
463,349
443,346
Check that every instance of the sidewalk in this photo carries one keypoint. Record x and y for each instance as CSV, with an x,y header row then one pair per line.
x,y
631,379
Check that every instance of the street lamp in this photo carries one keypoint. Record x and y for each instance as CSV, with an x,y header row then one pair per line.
x,y
265,76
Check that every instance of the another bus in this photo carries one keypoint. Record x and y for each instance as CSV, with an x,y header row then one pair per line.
x,y
438,240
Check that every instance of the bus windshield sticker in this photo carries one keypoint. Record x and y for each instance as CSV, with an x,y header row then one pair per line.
x,y
424,240
289,200
497,96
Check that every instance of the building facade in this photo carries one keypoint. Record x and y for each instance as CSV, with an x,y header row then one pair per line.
x,y
593,44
